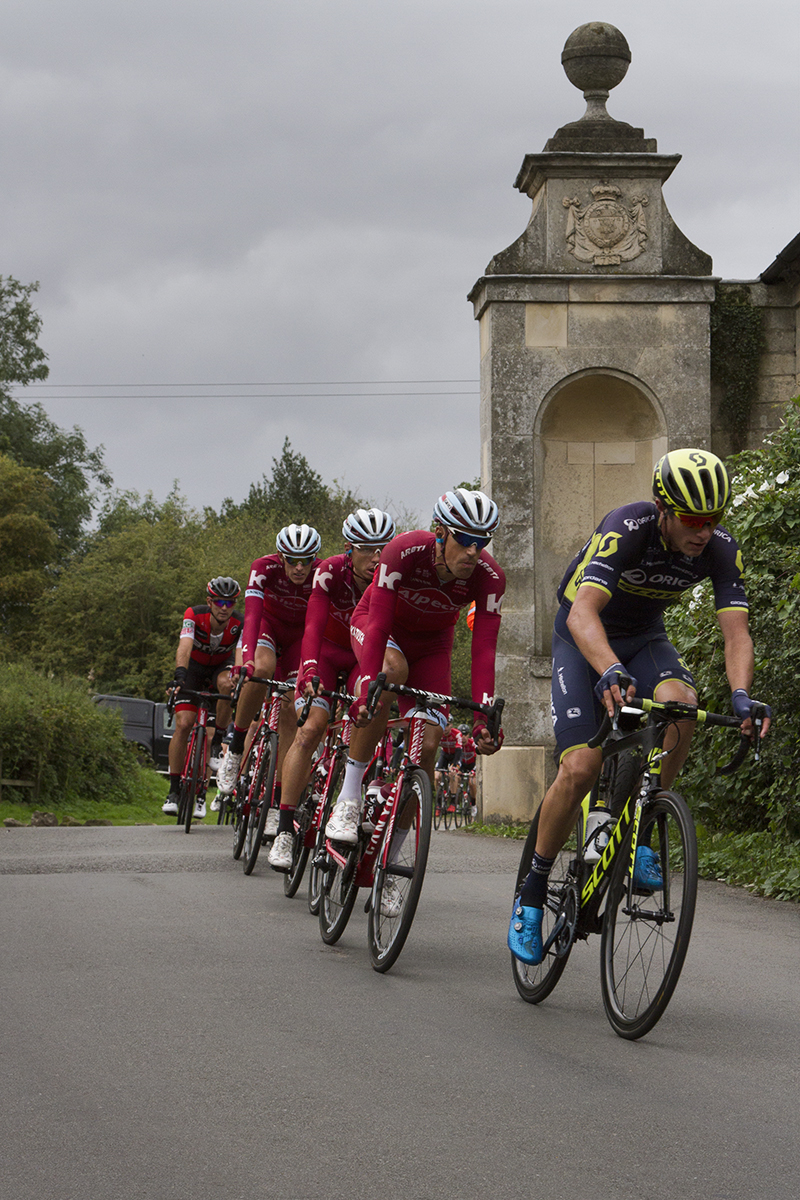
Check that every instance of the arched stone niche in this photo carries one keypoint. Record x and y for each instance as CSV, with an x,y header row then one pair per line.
x,y
597,436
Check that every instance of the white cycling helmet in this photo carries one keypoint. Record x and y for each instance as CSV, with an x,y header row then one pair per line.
x,y
368,527
467,512
298,541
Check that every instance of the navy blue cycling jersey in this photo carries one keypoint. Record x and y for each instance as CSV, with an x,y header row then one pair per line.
x,y
627,558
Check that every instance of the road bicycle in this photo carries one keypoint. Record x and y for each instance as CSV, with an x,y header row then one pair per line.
x,y
441,800
644,934
255,786
316,803
391,853
462,809
195,763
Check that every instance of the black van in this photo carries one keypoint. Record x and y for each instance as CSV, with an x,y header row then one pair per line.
x,y
146,723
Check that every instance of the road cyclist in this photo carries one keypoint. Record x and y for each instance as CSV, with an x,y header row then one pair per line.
x,y
276,598
206,649
610,644
403,627
326,654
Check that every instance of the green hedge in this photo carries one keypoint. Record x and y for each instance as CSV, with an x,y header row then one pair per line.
x,y
764,517
52,732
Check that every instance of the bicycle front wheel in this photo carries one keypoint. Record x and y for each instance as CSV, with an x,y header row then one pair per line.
x,y
646,935
337,895
260,801
316,875
241,812
397,886
438,808
535,983
303,816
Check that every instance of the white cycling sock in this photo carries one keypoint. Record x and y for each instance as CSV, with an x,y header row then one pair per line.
x,y
351,784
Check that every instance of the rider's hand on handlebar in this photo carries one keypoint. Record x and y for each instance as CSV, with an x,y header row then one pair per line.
x,y
615,686
743,707
483,739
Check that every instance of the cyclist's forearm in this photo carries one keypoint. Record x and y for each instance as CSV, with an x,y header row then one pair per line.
x,y
183,657
589,635
739,654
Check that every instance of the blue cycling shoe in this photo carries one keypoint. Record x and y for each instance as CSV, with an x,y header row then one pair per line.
x,y
647,875
525,934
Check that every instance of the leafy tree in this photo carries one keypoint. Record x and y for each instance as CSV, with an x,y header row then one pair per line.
x,y
293,493
27,434
27,546
21,359
765,520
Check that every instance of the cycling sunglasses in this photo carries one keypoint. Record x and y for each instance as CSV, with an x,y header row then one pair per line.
x,y
372,549
468,539
692,521
222,603
291,561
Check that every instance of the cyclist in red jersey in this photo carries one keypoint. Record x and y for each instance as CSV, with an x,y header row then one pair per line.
x,y
404,625
468,763
326,652
203,662
275,604
449,755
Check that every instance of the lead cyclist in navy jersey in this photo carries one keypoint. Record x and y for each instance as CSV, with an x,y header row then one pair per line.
x,y
641,558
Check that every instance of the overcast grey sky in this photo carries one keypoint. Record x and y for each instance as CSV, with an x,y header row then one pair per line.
x,y
266,193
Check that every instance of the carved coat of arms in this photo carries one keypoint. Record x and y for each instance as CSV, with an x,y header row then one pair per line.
x,y
607,233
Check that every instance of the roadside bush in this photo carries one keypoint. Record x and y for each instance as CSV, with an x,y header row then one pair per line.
x,y
51,730
764,517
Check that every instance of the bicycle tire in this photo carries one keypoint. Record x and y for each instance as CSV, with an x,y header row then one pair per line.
x,y
198,772
458,814
643,951
303,816
316,874
406,868
338,895
437,808
241,813
448,816
260,802
535,983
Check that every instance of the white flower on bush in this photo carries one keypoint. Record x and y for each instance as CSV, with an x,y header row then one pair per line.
x,y
783,477
747,494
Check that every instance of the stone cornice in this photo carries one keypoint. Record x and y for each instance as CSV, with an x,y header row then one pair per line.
x,y
536,169
582,289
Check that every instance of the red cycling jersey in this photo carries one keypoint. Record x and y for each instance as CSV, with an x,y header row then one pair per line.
x,y
210,649
468,754
271,595
406,597
333,599
451,741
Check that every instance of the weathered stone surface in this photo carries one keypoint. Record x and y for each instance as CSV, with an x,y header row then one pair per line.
x,y
43,819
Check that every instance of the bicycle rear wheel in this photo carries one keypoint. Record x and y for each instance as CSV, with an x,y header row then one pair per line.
x,y
303,816
438,807
646,935
260,801
535,983
397,887
458,815
198,776
316,875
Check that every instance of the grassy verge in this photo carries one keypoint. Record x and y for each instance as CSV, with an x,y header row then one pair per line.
x,y
760,862
144,808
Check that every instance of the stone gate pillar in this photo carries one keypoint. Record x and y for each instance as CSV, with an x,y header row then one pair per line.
x,y
594,345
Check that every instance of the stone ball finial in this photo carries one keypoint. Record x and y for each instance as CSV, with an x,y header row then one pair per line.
x,y
596,57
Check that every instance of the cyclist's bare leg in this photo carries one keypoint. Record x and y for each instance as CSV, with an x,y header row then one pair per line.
x,y
252,694
184,720
677,743
287,728
577,772
364,741
297,763
224,686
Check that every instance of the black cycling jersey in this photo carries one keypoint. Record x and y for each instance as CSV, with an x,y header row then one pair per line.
x,y
626,557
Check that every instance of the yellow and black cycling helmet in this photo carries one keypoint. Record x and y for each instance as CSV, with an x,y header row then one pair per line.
x,y
692,482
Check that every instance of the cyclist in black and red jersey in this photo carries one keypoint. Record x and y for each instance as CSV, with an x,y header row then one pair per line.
x,y
469,763
205,655
275,604
449,756
404,625
609,628
339,583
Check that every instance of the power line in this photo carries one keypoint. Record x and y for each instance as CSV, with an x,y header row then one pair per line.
x,y
266,396
279,383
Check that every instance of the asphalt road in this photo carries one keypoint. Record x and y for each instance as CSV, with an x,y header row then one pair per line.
x,y
171,1028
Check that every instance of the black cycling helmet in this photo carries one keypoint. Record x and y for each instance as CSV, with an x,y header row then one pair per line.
x,y
223,588
692,483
